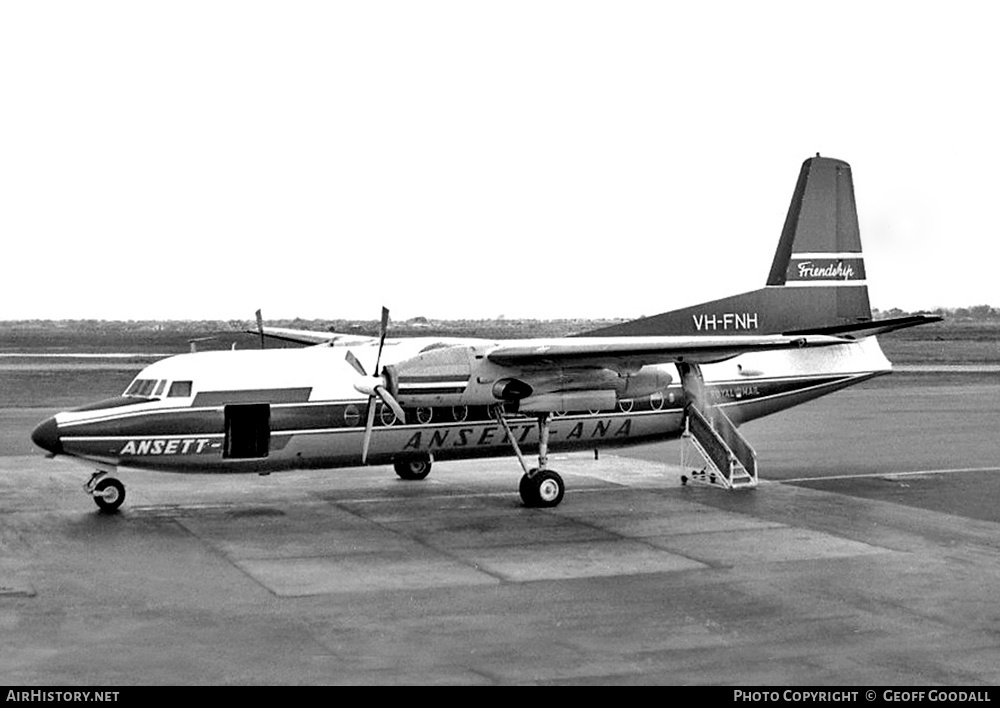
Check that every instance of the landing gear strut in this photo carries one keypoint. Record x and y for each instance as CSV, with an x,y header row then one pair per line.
x,y
540,486
108,492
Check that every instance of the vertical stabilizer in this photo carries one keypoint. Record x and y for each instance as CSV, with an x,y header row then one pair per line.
x,y
817,279
821,242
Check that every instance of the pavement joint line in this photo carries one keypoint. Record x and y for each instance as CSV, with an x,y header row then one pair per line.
x,y
425,543
914,473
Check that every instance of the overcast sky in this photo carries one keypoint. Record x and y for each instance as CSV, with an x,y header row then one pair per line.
x,y
473,159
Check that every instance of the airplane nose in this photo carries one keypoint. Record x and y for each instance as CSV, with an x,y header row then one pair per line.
x,y
46,436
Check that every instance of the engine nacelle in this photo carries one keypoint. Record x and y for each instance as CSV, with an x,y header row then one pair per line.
x,y
648,380
511,390
565,401
438,376
452,375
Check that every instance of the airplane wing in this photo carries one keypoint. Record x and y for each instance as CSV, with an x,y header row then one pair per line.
x,y
305,336
628,352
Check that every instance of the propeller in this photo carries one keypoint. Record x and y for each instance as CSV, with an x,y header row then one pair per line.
x,y
374,386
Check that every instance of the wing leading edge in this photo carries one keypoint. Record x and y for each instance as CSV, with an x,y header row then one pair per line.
x,y
304,336
639,351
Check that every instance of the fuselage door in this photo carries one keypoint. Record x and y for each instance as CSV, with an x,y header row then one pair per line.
x,y
248,431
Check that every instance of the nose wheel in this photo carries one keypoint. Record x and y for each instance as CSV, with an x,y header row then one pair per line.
x,y
108,492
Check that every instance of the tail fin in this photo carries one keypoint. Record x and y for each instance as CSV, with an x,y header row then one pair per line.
x,y
817,279
820,244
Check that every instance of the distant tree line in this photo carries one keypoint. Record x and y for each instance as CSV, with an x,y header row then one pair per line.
x,y
976,312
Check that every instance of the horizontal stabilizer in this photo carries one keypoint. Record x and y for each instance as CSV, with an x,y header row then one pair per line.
x,y
868,329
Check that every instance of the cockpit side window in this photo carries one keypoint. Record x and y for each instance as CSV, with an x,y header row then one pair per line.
x,y
159,388
179,389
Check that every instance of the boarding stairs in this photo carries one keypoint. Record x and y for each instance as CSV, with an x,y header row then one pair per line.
x,y
730,462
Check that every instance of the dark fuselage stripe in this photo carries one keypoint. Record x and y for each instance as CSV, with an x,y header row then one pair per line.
x,y
261,395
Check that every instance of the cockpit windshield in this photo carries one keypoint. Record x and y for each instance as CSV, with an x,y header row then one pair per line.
x,y
154,388
141,388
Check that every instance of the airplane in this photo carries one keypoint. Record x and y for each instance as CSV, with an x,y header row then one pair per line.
x,y
347,400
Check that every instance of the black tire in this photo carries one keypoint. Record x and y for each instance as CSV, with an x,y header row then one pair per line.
x,y
412,469
544,490
109,494
529,494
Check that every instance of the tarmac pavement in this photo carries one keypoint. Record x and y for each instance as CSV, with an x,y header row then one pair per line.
x,y
356,577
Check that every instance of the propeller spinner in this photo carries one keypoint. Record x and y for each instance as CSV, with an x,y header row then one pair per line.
x,y
374,386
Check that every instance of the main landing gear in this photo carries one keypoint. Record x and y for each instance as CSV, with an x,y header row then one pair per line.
x,y
412,469
108,492
540,486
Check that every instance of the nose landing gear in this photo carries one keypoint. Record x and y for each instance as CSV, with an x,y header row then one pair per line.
x,y
108,492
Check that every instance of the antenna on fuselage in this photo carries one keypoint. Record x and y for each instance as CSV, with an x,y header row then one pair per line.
x,y
260,328
193,343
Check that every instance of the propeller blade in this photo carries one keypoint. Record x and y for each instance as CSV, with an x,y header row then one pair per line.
x,y
368,429
378,388
353,361
385,322
383,329
260,328
384,394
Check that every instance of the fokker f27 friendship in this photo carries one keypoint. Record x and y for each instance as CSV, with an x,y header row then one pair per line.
x,y
347,400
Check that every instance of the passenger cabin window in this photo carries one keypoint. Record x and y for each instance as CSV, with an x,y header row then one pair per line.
x,y
179,389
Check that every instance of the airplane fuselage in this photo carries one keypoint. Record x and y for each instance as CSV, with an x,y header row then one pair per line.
x,y
280,409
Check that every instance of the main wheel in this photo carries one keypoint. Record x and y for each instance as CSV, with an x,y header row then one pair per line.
x,y
545,489
109,494
412,469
